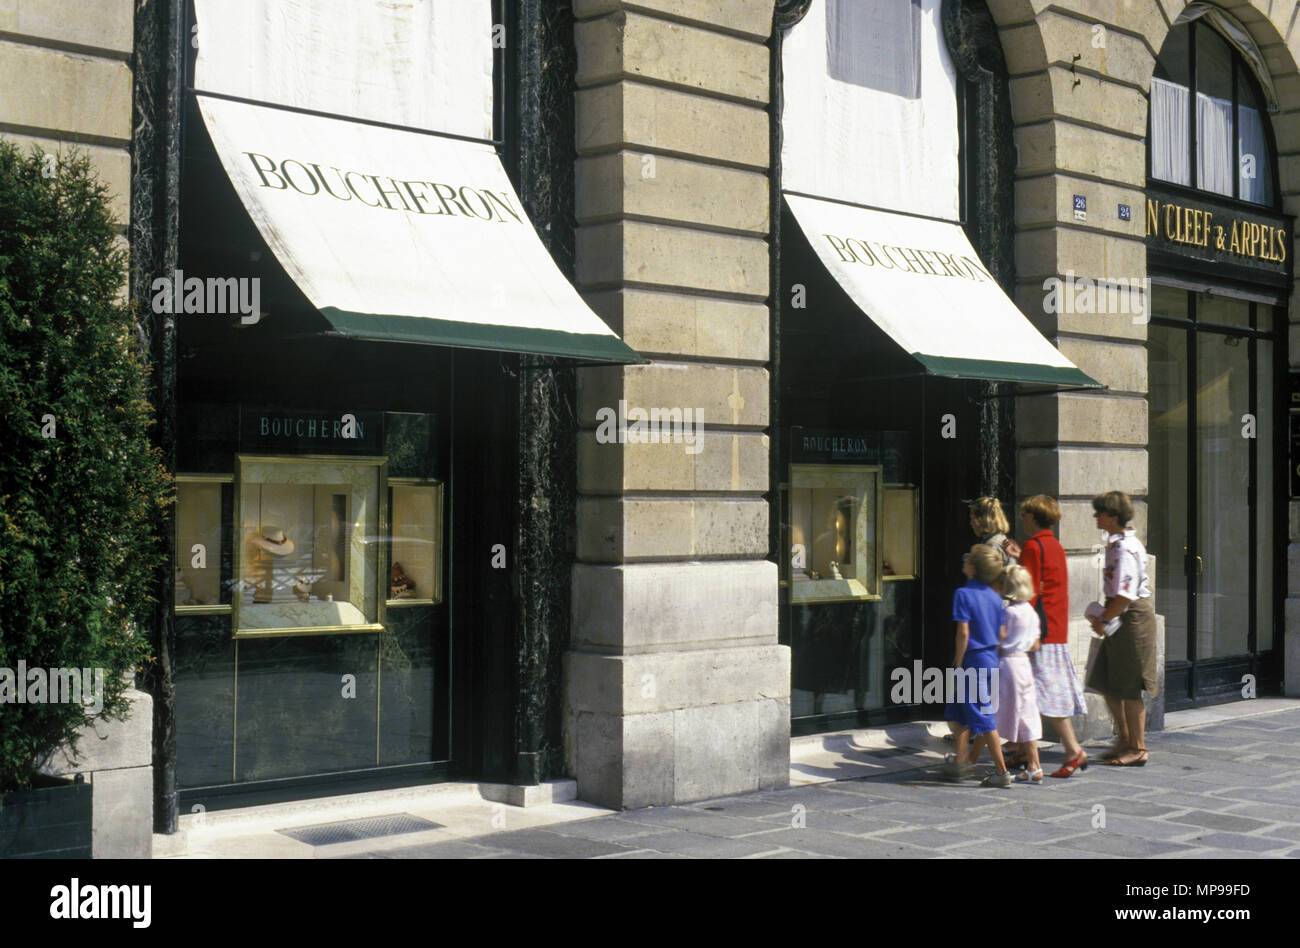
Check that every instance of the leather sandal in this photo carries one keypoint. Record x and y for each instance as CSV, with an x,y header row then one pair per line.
x,y
1139,759
1118,750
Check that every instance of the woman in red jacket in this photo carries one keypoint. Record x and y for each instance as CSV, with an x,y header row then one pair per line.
x,y
1060,696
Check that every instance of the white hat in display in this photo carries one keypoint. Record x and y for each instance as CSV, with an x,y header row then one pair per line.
x,y
273,540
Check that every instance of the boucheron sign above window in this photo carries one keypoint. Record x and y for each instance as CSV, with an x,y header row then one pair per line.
x,y
1217,232
922,282
355,135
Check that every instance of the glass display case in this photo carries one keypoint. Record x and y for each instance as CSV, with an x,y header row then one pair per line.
x,y
835,515
202,580
899,528
308,545
415,571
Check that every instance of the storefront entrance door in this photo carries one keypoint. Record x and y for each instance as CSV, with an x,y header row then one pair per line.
x,y
1212,512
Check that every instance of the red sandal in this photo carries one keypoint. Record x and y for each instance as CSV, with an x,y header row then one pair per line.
x,y
1078,762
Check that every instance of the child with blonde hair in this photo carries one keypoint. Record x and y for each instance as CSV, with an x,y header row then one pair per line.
x,y
1017,711
977,610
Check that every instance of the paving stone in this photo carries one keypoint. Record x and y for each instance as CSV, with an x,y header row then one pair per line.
x,y
1254,844
644,854
745,807
827,800
1189,801
455,849
1264,723
915,815
932,839
1219,821
1131,807
609,829
543,842
1041,810
794,854
1126,825
1028,831
1268,795
1124,845
708,847
1289,831
853,824
1002,850
1267,811
697,821
850,847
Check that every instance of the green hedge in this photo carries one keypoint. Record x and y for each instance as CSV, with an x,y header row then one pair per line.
x,y
79,511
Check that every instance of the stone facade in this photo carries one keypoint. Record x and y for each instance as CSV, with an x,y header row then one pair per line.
x,y
66,80
677,688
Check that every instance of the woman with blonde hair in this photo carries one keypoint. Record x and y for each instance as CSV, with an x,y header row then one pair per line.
x,y
990,526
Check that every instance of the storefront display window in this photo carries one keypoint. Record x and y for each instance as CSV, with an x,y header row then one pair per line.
x,y
835,513
201,550
309,545
898,533
415,576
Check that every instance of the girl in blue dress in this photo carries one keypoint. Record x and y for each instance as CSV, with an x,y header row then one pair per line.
x,y
977,610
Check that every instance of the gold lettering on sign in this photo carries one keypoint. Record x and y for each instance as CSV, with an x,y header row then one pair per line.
x,y
1196,227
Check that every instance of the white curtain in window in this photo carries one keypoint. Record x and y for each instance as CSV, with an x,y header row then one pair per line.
x,y
1256,173
847,141
875,45
1214,145
1169,146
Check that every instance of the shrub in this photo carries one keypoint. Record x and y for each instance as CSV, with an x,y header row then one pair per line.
x,y
81,488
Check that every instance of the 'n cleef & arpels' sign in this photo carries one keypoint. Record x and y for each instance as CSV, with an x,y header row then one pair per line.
x,y
1210,231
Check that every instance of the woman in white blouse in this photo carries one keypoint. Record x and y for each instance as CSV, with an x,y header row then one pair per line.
x,y
1126,662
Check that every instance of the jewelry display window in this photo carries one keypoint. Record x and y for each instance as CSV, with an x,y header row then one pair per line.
x,y
202,583
309,544
899,531
835,517
415,570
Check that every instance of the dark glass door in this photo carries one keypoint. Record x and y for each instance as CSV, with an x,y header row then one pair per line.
x,y
1213,515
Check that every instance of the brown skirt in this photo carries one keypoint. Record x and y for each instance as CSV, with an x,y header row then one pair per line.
x,y
1126,662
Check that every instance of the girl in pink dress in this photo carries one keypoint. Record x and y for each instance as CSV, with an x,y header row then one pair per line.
x,y
1017,712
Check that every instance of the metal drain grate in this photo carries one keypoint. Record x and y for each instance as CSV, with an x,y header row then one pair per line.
x,y
325,834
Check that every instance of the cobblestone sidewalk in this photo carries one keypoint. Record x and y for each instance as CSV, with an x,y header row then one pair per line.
x,y
1227,790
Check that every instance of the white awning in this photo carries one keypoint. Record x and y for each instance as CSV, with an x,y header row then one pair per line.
x,y
402,236
411,233
922,283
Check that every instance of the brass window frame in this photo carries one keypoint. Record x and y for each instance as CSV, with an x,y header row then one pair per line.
x,y
440,494
380,463
831,475
915,491
216,609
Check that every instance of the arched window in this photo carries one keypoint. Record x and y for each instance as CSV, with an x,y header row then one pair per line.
x,y
1228,128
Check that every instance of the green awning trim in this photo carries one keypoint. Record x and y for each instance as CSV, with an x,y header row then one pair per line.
x,y
1004,371
447,332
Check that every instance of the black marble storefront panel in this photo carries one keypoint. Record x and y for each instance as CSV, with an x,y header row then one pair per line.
x,y
412,683
205,700
409,444
296,712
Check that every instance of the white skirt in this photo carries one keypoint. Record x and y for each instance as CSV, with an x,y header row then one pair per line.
x,y
1017,700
